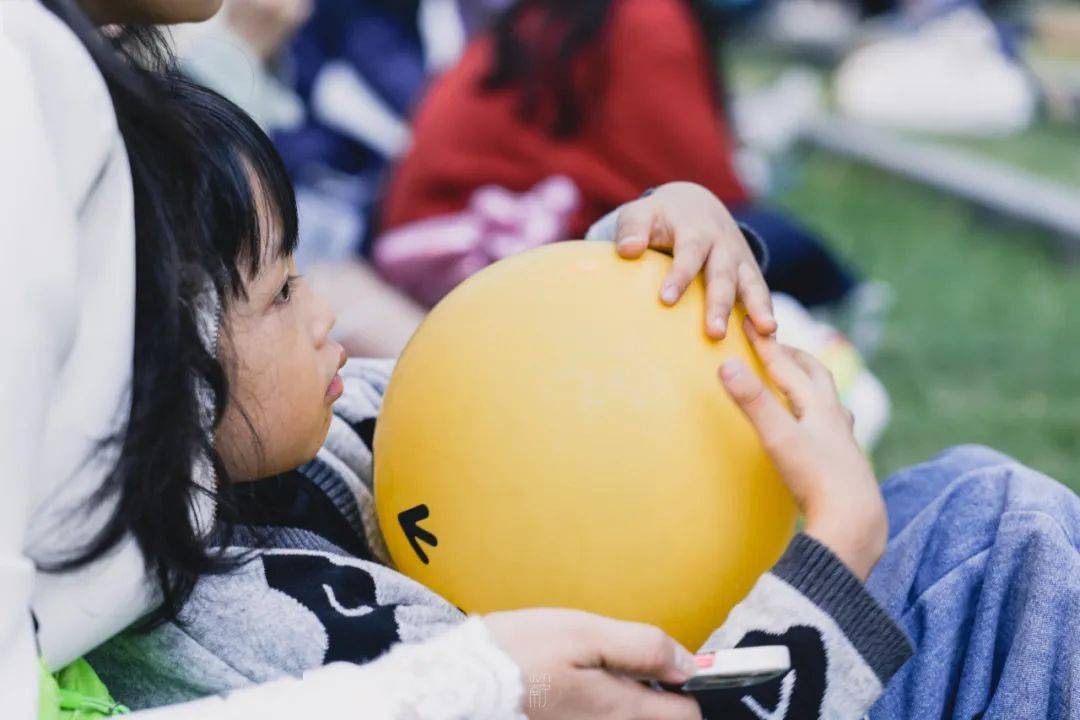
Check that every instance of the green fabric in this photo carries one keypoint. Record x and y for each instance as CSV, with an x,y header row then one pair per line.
x,y
48,694
75,693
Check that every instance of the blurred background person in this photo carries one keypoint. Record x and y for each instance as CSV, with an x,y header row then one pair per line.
x,y
944,66
616,95
941,66
333,83
945,267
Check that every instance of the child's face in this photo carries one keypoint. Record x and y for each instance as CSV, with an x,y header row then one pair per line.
x,y
148,12
282,370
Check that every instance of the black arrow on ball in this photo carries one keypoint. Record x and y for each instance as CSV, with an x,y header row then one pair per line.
x,y
410,525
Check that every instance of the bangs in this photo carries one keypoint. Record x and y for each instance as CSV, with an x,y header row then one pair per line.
x,y
241,185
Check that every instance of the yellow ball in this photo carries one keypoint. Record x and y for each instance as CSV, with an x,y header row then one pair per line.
x,y
553,436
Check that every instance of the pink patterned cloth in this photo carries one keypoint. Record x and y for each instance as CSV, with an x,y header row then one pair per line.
x,y
428,258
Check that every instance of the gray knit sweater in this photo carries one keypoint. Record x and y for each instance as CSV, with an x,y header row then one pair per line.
x,y
317,589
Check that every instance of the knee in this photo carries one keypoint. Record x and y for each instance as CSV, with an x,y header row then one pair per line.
x,y
963,471
928,479
969,457
994,485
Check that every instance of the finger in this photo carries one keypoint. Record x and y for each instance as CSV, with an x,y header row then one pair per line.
x,y
788,375
618,697
755,296
720,284
821,376
633,228
690,257
768,416
641,651
642,703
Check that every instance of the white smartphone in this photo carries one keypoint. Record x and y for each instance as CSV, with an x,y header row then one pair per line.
x,y
738,667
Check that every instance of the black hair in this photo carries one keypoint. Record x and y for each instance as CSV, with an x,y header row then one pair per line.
x,y
541,65
234,170
201,169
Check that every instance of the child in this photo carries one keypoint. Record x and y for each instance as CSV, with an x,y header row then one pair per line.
x,y
618,96
311,584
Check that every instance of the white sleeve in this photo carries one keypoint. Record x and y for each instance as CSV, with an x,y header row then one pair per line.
x,y
37,240
459,675
604,228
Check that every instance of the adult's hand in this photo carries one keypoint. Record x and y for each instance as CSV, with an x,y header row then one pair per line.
x,y
590,666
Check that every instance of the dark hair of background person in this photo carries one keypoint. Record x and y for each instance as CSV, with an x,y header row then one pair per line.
x,y
196,227
545,75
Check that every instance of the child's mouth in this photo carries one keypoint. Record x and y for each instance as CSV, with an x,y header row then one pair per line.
x,y
337,385
335,388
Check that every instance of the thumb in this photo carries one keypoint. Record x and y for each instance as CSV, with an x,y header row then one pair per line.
x,y
640,651
764,411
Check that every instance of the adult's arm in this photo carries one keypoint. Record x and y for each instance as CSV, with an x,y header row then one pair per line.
x,y
459,674
35,238
462,673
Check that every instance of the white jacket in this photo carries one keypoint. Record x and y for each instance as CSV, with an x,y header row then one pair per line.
x,y
66,318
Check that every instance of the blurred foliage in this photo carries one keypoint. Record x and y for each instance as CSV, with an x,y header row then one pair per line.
x,y
984,342
1049,150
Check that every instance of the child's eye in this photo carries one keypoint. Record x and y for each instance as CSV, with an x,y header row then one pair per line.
x,y
285,294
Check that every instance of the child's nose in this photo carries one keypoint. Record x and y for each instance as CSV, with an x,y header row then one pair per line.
x,y
324,319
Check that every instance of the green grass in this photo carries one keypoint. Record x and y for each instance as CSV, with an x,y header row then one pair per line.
x,y
984,342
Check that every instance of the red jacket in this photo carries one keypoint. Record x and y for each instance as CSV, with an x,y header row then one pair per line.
x,y
653,119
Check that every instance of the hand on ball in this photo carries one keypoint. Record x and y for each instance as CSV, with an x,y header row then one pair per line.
x,y
694,226
813,448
